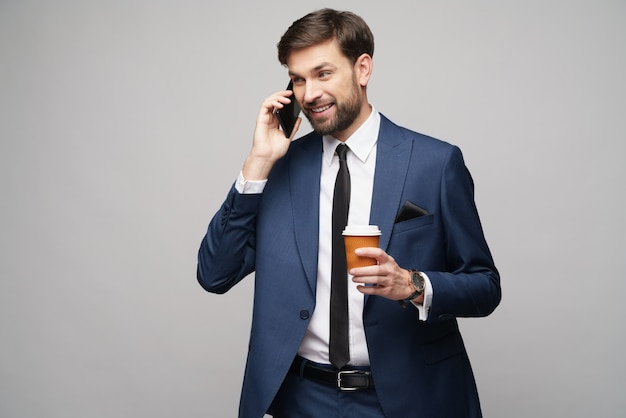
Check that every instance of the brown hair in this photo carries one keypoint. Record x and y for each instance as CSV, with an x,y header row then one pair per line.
x,y
351,32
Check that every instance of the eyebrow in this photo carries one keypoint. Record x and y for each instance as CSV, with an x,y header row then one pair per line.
x,y
316,68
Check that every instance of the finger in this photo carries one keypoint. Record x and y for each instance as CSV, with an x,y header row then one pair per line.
x,y
279,99
373,270
367,290
372,252
375,290
365,280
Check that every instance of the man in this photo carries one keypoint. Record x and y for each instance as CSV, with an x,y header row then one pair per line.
x,y
405,359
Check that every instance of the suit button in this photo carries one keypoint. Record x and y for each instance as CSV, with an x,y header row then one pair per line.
x,y
304,314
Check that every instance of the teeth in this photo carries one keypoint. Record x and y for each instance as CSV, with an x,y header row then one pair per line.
x,y
321,109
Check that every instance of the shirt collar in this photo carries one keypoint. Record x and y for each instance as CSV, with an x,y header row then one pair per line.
x,y
361,142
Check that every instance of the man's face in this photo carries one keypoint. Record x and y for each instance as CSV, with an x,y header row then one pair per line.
x,y
328,87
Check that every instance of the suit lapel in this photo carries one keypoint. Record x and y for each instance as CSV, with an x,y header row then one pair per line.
x,y
304,173
392,161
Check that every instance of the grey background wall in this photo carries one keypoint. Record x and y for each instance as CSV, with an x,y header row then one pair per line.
x,y
124,123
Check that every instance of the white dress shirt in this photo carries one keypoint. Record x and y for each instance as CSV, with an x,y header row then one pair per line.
x,y
361,159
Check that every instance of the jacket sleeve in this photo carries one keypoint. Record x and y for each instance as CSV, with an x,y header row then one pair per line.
x,y
227,251
470,284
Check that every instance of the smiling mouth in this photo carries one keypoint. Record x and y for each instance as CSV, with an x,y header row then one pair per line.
x,y
321,108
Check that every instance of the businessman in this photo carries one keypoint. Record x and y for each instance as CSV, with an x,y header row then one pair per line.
x,y
375,341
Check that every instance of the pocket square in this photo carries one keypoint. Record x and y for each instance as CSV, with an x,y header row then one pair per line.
x,y
410,210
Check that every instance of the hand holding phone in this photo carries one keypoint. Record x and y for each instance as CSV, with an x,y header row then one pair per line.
x,y
288,115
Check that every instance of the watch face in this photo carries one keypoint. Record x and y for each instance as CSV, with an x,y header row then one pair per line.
x,y
417,280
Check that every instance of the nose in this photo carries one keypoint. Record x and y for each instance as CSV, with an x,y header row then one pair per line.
x,y
312,92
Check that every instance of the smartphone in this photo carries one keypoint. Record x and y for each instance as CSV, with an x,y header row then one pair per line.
x,y
288,115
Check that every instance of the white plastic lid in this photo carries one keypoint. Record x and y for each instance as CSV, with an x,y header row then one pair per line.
x,y
362,230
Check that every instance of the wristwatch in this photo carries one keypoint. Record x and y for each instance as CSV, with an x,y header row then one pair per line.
x,y
417,281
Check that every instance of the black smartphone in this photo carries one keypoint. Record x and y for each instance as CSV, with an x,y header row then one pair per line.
x,y
288,115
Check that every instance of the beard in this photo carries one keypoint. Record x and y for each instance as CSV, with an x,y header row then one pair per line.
x,y
345,114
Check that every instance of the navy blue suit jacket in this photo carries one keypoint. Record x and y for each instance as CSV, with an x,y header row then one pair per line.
x,y
417,366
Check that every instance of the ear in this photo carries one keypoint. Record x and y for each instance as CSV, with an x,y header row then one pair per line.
x,y
363,69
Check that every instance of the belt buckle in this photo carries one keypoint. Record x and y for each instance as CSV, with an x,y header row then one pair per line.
x,y
340,374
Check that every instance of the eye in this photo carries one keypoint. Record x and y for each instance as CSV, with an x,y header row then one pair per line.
x,y
324,74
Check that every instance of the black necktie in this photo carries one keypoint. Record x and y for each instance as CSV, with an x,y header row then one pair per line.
x,y
338,345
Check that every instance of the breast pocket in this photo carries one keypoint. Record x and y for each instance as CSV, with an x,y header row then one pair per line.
x,y
415,242
413,224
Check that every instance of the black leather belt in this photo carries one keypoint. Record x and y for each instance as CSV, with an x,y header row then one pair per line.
x,y
345,379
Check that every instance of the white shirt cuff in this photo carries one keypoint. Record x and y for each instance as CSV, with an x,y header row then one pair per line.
x,y
244,186
424,308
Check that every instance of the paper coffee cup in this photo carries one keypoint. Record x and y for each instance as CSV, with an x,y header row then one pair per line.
x,y
358,236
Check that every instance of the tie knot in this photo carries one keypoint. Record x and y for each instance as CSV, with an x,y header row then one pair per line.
x,y
341,150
